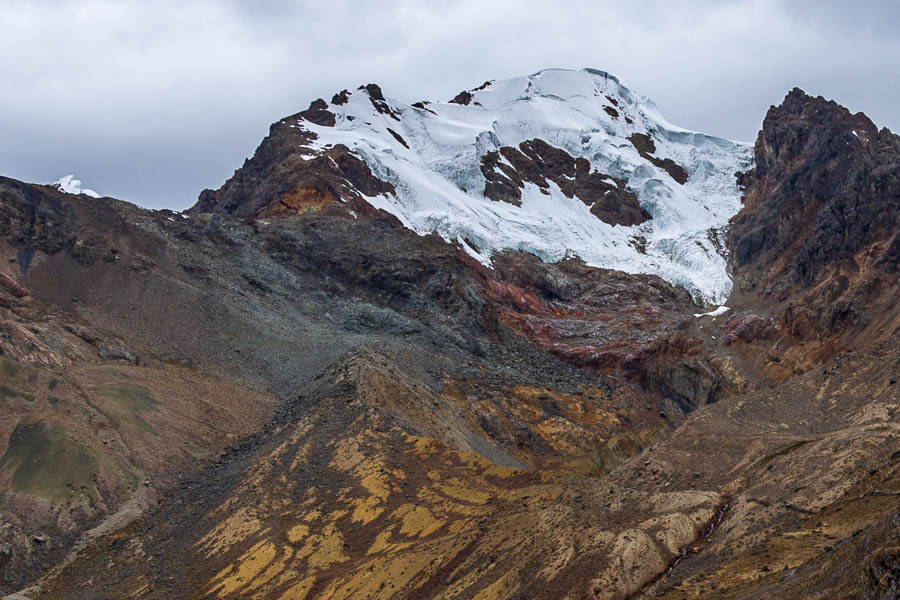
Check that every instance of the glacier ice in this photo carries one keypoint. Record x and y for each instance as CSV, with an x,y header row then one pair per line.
x,y
439,184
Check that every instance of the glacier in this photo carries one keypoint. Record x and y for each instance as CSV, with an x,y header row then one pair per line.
x,y
439,184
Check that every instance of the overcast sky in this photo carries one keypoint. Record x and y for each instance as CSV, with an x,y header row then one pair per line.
x,y
153,101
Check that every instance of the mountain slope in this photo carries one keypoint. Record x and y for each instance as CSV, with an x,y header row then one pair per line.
x,y
816,245
559,163
446,429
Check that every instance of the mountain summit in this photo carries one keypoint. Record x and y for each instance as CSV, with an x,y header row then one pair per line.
x,y
559,163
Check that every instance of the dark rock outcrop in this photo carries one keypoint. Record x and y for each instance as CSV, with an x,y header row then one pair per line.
x,y
883,574
463,98
635,325
398,137
646,147
341,98
749,328
818,233
33,218
376,96
285,177
535,161
319,114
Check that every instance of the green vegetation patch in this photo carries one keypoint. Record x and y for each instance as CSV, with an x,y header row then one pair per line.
x,y
46,463
132,401
9,368
11,373
7,393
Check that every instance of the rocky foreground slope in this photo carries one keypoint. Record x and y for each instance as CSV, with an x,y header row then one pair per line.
x,y
288,394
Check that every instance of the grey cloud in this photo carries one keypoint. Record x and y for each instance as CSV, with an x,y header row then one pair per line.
x,y
152,101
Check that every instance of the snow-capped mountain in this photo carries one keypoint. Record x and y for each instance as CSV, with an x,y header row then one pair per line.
x,y
559,163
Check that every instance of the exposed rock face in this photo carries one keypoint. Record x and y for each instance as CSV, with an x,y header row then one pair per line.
x,y
647,148
33,219
817,244
376,96
319,114
638,326
535,161
463,98
340,98
284,178
749,328
820,215
883,574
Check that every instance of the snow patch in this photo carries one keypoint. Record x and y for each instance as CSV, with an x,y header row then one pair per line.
x,y
714,313
70,185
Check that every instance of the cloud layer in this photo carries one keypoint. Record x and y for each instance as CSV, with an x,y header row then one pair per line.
x,y
153,101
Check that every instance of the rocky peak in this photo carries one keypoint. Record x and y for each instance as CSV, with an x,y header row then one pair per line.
x,y
803,126
819,225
